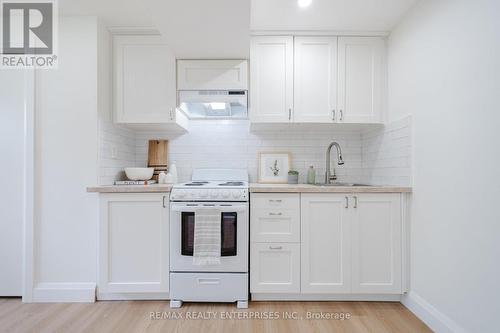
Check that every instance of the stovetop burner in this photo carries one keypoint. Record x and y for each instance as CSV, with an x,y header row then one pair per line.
x,y
196,183
231,184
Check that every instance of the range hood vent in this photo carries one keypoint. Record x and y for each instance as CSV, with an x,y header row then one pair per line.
x,y
214,104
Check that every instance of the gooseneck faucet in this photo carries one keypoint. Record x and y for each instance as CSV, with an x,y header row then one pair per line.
x,y
340,161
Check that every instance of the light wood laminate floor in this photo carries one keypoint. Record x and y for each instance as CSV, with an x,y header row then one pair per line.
x,y
136,316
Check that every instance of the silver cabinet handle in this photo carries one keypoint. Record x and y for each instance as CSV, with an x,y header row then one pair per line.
x,y
171,114
290,114
275,214
275,200
355,202
346,201
333,114
341,115
275,247
163,203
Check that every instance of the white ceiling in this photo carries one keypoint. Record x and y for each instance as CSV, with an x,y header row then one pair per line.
x,y
111,12
221,28
333,15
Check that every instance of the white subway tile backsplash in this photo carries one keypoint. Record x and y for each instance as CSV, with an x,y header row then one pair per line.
x,y
380,156
121,140
230,144
386,154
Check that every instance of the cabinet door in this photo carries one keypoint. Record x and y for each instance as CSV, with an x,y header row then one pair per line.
x,y
212,74
325,247
271,73
361,79
144,80
133,243
315,79
376,243
275,268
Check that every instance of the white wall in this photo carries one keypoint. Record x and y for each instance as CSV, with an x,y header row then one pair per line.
x,y
444,69
66,162
12,150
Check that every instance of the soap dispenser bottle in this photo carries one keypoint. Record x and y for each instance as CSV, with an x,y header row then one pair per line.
x,y
311,175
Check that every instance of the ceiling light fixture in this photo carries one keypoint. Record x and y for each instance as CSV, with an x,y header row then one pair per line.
x,y
304,3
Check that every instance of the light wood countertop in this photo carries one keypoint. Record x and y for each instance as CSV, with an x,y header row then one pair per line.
x,y
307,188
153,188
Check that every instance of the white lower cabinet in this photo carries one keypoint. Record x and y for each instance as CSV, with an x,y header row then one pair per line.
x,y
376,243
350,243
326,244
133,246
275,268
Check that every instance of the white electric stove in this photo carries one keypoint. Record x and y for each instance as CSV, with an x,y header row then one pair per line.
x,y
225,190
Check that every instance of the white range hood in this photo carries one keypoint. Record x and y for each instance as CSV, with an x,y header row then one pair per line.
x,y
213,89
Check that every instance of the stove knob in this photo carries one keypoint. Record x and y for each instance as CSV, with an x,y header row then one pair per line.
x,y
203,193
236,194
225,194
213,194
181,194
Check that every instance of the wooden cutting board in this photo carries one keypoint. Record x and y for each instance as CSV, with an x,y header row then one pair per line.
x,y
157,154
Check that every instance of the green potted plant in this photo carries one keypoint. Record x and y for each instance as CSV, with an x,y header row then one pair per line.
x,y
293,177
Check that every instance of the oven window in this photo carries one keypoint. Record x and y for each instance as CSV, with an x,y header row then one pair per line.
x,y
228,233
187,233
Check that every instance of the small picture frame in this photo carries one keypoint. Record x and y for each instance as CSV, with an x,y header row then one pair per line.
x,y
274,167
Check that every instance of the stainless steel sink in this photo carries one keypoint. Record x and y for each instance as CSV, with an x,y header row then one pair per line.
x,y
341,184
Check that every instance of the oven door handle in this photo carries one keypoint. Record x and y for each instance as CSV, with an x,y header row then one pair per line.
x,y
223,209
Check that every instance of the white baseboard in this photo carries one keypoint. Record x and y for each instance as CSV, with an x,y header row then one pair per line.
x,y
435,319
132,296
64,292
325,297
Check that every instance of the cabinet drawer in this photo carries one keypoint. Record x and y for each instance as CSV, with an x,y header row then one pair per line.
x,y
218,287
275,201
275,227
275,268
275,218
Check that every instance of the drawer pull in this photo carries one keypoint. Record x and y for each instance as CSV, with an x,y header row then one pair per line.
x,y
275,247
208,281
275,200
275,214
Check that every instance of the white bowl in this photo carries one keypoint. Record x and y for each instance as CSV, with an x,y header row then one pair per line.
x,y
139,173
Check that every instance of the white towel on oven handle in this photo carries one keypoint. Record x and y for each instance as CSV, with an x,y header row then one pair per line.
x,y
207,237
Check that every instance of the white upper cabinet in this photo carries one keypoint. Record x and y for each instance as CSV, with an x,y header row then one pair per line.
x,y
335,79
271,85
144,80
376,243
212,74
361,79
315,79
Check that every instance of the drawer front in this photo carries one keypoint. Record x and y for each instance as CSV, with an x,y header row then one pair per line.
x,y
275,201
275,218
275,268
214,287
275,227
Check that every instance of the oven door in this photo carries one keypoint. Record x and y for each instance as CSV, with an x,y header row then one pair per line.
x,y
234,237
